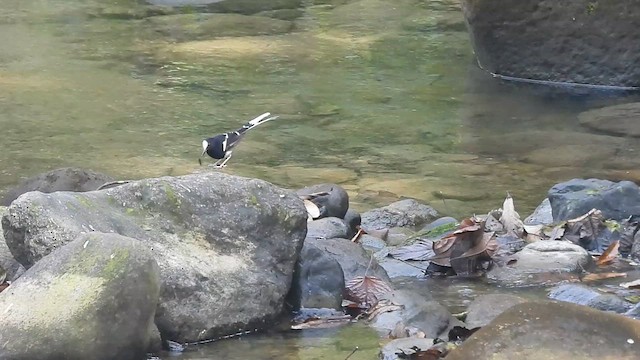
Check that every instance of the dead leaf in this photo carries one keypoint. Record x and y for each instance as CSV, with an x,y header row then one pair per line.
x,y
419,251
609,255
585,228
322,323
631,285
416,353
602,276
557,232
366,290
382,306
4,286
312,209
510,219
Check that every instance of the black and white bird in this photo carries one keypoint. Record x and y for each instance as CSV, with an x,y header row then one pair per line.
x,y
221,146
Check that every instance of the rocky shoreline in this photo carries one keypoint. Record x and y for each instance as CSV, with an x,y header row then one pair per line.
x,y
159,263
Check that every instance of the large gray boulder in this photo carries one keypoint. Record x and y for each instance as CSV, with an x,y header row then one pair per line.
x,y
226,245
485,308
94,298
592,42
64,179
576,197
553,331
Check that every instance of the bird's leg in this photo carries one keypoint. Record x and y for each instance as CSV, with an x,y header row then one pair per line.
x,y
226,158
222,162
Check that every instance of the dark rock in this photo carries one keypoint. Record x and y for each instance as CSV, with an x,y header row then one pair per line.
x,y
353,220
508,245
226,245
398,236
8,263
553,331
634,312
403,213
371,243
575,42
396,268
65,179
335,204
318,280
541,215
635,249
327,228
542,262
419,312
352,257
485,308
94,298
186,27
576,197
615,120
405,346
584,295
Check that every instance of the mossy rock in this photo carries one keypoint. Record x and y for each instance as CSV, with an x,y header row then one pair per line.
x,y
60,307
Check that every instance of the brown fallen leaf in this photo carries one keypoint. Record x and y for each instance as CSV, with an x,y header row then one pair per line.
x,y
631,284
382,306
366,290
4,286
609,255
322,323
602,276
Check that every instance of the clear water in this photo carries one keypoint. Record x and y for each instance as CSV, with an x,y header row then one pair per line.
x,y
381,97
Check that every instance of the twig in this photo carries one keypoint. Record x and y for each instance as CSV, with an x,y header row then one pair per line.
x,y
353,352
113,183
368,266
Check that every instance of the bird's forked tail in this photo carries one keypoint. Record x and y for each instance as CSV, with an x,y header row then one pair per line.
x,y
258,120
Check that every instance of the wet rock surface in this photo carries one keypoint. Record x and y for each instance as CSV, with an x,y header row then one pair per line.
x,y
94,298
485,308
555,331
404,213
584,295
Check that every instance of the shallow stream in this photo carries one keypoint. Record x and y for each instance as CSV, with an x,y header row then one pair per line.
x,y
381,97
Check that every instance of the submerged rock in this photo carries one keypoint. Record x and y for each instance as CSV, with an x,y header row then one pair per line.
x,y
617,119
418,312
553,331
485,308
403,213
94,298
542,262
186,27
584,295
576,197
65,179
226,245
398,348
